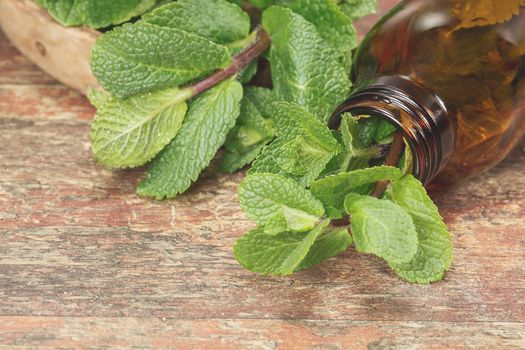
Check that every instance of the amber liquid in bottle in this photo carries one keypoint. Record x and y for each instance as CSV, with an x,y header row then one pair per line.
x,y
467,58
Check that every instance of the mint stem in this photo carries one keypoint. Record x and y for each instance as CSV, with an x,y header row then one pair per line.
x,y
239,62
394,155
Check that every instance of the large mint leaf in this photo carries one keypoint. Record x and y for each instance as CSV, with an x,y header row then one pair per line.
x,y
381,227
333,189
275,255
142,57
302,149
130,132
209,119
356,9
217,20
95,13
304,68
253,129
434,252
329,244
333,25
284,202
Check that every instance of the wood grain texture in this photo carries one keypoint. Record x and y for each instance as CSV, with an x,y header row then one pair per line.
x,y
86,264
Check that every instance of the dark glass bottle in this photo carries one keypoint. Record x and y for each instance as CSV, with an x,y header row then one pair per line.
x,y
450,74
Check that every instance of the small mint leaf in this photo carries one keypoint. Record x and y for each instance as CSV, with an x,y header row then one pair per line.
x,y
434,252
381,227
276,255
304,67
281,201
333,189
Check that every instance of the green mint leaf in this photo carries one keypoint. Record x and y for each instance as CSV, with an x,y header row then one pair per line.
x,y
434,252
329,244
253,129
141,57
130,132
384,130
276,255
95,13
284,202
217,20
333,189
357,155
333,25
302,149
356,9
304,67
381,227
209,119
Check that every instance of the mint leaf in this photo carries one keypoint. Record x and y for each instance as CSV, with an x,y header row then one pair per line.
x,y
333,25
381,227
209,119
434,252
141,57
253,129
329,244
357,155
333,189
356,9
304,68
129,133
303,147
284,202
275,255
95,13
217,20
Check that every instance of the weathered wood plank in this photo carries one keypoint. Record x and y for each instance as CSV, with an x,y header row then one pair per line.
x,y
146,333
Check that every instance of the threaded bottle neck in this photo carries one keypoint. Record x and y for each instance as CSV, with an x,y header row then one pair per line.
x,y
420,115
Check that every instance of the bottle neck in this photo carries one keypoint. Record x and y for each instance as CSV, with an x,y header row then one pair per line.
x,y
420,115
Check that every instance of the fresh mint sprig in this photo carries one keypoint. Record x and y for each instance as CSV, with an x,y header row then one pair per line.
x,y
177,89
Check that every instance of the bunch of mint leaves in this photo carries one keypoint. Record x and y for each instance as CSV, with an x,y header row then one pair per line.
x,y
177,89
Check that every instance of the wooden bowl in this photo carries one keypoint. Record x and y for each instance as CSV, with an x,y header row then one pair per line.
x,y
61,52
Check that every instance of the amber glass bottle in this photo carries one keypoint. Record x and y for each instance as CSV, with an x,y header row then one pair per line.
x,y
451,75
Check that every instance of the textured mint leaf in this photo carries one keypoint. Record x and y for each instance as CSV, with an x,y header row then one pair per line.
x,y
217,20
304,67
384,130
286,203
381,227
253,129
356,155
141,57
130,132
302,149
333,25
434,252
95,13
333,189
356,9
276,255
329,244
209,119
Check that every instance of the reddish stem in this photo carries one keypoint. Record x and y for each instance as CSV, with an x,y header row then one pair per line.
x,y
394,155
239,62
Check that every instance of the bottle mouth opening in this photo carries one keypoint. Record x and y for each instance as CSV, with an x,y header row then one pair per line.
x,y
425,129
421,162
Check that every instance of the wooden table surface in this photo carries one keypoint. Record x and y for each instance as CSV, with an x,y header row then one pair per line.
x,y
86,264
